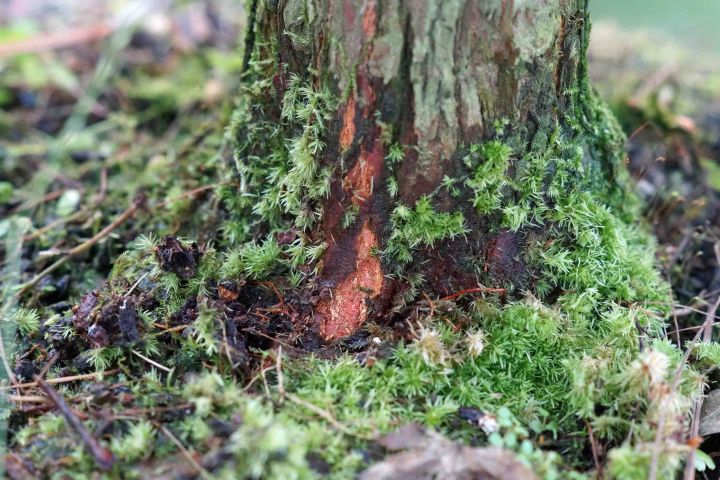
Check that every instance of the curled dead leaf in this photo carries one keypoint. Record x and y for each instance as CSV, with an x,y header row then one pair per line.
x,y
429,455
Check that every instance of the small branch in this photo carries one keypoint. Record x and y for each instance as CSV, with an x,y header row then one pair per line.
x,y
32,204
694,432
5,362
103,457
278,369
151,361
152,411
474,290
85,246
60,380
652,475
55,40
697,406
28,398
185,452
77,216
595,451
327,416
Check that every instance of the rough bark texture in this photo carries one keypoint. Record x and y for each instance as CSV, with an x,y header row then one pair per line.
x,y
435,77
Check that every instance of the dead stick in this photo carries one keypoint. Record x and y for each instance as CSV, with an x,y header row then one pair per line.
x,y
28,398
85,246
77,216
71,378
473,290
689,473
56,40
595,451
103,457
204,474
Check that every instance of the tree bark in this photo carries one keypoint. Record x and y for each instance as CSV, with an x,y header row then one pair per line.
x,y
430,79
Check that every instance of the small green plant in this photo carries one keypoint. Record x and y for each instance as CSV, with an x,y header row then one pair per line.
x,y
137,444
421,226
490,161
27,321
252,259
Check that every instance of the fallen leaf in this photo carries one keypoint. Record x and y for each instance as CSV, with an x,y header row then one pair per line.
x,y
710,414
429,455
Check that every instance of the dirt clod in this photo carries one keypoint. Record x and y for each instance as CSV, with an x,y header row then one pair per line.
x,y
177,258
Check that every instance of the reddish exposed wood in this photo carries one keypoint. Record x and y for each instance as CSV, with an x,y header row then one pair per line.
x,y
360,180
347,134
347,309
355,275
369,22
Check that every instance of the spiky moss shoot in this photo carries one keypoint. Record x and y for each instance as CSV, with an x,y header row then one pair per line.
x,y
420,226
282,184
489,177
476,341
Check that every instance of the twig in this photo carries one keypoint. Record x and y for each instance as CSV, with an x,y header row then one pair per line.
x,y
151,361
152,411
5,362
56,40
694,431
134,286
695,327
652,475
327,416
28,398
85,246
707,330
695,426
59,380
595,451
49,364
473,290
708,322
103,457
99,198
261,374
278,369
276,291
185,452
48,197
188,193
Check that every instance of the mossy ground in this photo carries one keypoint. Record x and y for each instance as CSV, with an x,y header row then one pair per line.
x,y
214,357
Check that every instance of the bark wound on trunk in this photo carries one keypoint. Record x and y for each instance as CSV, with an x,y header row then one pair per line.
x,y
440,73
359,283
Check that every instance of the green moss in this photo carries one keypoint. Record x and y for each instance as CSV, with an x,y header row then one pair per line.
x,y
281,181
252,260
489,177
419,227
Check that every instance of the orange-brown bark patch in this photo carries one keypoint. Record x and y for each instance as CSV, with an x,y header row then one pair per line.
x,y
347,309
347,133
369,21
360,180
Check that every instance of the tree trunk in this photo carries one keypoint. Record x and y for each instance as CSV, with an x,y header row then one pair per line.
x,y
397,136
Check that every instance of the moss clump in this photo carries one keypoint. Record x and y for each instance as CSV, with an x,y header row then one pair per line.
x,y
420,226
278,164
489,177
